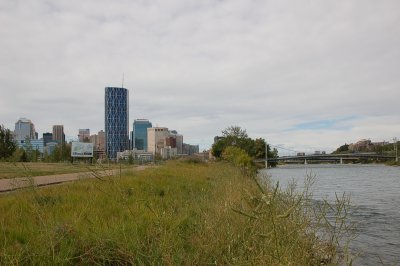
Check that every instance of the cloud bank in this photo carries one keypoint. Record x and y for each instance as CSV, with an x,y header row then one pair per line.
x,y
310,75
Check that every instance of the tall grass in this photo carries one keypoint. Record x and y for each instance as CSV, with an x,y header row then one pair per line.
x,y
181,213
13,170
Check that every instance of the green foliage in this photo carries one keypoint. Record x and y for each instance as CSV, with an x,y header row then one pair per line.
x,y
61,153
235,132
19,155
218,147
237,156
7,145
131,160
30,154
234,136
342,149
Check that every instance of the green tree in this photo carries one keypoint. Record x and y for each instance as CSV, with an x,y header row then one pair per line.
x,y
218,147
238,157
19,155
131,159
259,148
234,136
235,132
29,152
61,153
342,149
7,145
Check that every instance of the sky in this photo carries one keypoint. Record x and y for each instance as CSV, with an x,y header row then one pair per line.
x,y
304,75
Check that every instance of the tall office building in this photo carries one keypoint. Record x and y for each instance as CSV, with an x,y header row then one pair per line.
x,y
156,139
178,141
116,120
47,137
24,128
84,135
58,134
139,133
101,140
98,140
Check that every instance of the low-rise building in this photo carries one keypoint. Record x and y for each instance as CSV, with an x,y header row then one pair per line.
x,y
139,155
168,152
35,144
188,149
38,144
50,147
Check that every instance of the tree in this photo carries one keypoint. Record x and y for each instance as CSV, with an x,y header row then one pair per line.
x,y
259,148
24,157
234,136
131,159
218,147
7,145
235,132
29,152
237,156
62,152
343,148
19,155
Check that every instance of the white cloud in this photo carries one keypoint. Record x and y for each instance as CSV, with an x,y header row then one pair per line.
x,y
199,66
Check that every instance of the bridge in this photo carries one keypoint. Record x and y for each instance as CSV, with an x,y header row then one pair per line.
x,y
334,158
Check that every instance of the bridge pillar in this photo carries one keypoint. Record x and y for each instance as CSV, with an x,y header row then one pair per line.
x,y
341,160
305,161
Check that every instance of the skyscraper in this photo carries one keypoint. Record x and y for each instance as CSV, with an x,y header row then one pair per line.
x,y
101,140
58,134
84,135
47,137
116,120
156,138
24,128
139,136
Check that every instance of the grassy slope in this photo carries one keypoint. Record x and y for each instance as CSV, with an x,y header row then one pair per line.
x,y
12,170
176,214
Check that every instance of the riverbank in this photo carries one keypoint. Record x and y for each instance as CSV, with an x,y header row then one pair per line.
x,y
181,213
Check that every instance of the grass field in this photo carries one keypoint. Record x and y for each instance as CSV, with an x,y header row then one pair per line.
x,y
12,170
181,213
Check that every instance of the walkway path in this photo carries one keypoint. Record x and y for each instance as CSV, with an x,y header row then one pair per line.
x,y
7,185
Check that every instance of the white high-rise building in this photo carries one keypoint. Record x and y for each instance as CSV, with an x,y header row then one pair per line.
x,y
156,138
24,128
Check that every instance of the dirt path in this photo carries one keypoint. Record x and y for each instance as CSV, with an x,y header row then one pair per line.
x,y
11,184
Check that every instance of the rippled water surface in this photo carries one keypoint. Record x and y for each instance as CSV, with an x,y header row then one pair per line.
x,y
375,198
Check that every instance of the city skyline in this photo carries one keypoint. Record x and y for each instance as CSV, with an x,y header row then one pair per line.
x,y
311,77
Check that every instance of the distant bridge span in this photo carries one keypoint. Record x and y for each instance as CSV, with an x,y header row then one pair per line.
x,y
329,157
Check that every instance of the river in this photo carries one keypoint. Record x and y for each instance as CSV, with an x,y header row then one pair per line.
x,y
374,192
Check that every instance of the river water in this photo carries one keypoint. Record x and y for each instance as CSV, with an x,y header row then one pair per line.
x,y
374,192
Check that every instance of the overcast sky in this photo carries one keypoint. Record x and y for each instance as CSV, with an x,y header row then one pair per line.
x,y
309,75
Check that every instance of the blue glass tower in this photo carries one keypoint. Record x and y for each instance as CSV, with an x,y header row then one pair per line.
x,y
116,120
139,133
